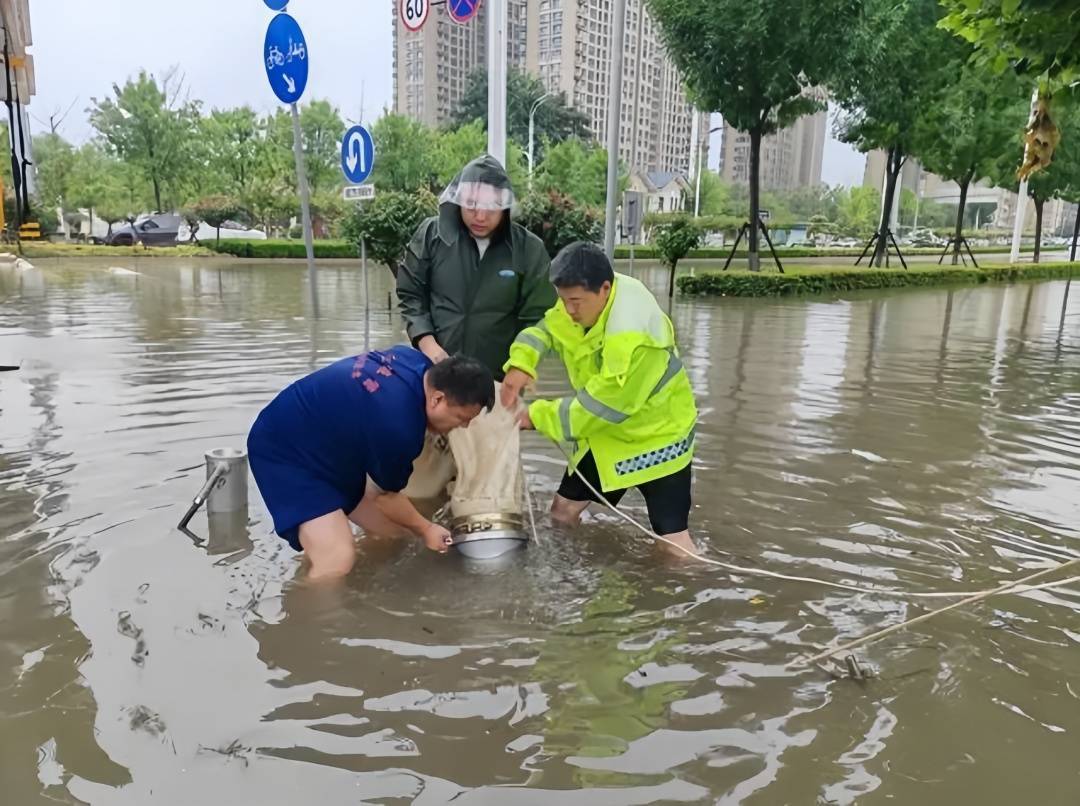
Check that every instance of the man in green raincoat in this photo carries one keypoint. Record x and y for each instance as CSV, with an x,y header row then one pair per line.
x,y
472,279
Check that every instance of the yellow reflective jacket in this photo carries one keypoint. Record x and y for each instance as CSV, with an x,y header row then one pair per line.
x,y
634,407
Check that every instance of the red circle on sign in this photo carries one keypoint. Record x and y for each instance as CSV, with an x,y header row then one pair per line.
x,y
414,13
462,10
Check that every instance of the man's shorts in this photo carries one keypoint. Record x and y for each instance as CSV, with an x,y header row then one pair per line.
x,y
667,498
294,495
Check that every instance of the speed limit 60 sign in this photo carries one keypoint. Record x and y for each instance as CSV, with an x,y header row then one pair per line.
x,y
414,13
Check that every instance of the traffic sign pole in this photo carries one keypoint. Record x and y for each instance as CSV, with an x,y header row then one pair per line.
x,y
497,79
367,295
305,210
285,58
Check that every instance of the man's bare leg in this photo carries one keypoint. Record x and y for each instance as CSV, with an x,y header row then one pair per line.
x,y
566,512
328,546
680,539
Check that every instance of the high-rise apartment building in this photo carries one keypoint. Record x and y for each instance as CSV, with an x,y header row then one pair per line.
x,y
432,66
790,158
569,49
566,44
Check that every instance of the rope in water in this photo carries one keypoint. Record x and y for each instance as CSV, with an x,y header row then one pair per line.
x,y
1016,586
789,577
1008,587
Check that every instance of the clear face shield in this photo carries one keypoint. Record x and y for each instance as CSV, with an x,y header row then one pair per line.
x,y
470,195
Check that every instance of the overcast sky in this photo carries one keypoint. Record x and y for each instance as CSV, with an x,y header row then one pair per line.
x,y
81,48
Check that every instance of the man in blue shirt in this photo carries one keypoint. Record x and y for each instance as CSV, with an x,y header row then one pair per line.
x,y
315,446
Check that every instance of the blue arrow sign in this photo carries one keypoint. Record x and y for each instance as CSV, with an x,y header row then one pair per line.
x,y
285,58
357,154
462,10
276,5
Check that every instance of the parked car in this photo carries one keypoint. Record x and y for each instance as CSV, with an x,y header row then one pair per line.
x,y
230,229
156,230
845,243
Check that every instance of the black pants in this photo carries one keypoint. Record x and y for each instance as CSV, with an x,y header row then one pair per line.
x,y
667,498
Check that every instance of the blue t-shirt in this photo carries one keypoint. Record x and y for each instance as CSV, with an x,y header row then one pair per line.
x,y
360,416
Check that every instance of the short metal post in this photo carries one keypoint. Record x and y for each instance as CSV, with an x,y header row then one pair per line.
x,y
230,494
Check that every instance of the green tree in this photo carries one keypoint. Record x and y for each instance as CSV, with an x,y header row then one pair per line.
x,y
151,129
1033,37
559,220
216,210
453,148
857,211
553,122
674,239
405,150
967,129
95,181
272,196
387,223
233,142
715,198
54,160
578,170
896,63
813,200
321,130
752,61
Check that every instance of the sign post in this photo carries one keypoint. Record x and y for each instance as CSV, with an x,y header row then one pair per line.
x,y
286,61
357,160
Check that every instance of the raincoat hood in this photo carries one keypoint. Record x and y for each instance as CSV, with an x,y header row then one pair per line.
x,y
481,184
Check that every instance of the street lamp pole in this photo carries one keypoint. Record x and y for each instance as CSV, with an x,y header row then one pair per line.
x,y
697,188
532,131
616,39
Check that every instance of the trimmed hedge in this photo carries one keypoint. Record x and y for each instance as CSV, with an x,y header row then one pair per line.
x,y
824,280
43,249
648,252
271,249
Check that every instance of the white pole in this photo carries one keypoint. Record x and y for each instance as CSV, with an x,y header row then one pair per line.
x,y
496,10
615,40
695,158
1021,198
367,296
694,123
305,210
1018,222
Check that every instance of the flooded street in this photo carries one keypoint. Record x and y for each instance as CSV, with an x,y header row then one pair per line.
x,y
917,441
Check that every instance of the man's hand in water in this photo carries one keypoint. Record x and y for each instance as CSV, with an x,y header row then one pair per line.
x,y
436,538
432,349
512,384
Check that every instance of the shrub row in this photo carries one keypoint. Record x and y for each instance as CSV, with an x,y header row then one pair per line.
x,y
648,252
271,249
825,280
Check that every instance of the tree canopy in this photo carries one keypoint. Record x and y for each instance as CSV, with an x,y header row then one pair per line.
x,y
1032,37
753,61
553,122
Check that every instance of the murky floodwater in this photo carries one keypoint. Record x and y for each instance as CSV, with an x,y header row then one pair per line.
x,y
925,440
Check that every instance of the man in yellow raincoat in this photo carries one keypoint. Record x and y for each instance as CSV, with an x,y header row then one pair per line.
x,y
631,420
